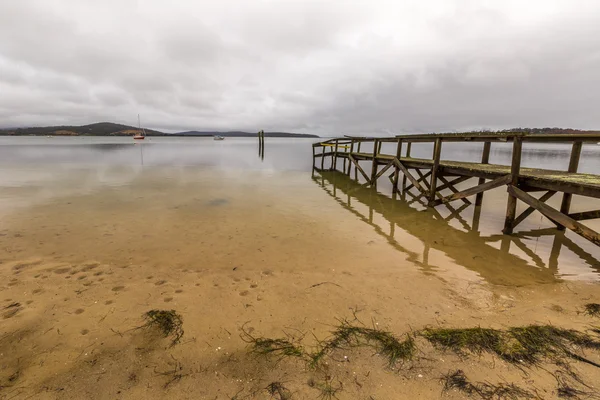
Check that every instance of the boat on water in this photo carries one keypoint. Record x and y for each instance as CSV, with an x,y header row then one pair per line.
x,y
218,137
141,135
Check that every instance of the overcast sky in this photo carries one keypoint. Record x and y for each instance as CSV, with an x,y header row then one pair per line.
x,y
327,66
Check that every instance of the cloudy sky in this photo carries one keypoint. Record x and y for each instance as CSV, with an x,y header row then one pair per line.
x,y
328,66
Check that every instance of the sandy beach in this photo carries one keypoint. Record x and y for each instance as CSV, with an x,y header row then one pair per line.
x,y
250,256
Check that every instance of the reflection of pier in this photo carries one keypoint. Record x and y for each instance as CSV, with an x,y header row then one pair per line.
x,y
490,256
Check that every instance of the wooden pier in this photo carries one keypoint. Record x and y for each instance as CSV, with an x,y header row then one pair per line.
x,y
436,178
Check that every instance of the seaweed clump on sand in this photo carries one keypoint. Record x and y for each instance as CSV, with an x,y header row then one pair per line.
x,y
592,309
526,344
385,343
280,347
168,322
458,380
278,391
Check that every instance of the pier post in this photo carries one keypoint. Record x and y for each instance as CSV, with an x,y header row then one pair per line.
x,y
437,152
511,206
374,167
397,170
485,159
351,150
334,157
573,165
404,178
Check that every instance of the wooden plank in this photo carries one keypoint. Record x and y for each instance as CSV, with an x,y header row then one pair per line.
x,y
452,188
556,215
503,180
454,182
423,177
485,159
388,165
358,167
409,176
529,210
437,152
581,216
565,206
511,205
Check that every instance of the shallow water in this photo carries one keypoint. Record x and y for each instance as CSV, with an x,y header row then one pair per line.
x,y
95,232
41,175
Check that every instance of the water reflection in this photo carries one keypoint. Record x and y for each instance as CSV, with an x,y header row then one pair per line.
x,y
429,241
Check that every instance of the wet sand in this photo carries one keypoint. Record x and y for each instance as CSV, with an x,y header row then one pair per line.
x,y
268,253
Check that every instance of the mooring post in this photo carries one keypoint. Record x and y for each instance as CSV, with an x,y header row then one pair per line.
x,y
485,159
511,206
313,149
374,167
573,165
397,170
437,151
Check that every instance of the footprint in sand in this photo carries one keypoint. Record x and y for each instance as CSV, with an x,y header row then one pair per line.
x,y
244,293
62,270
98,273
168,299
81,277
79,311
85,331
36,291
118,288
160,283
108,302
254,286
179,291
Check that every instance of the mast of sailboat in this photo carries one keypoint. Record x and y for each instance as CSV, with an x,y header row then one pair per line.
x,y
140,126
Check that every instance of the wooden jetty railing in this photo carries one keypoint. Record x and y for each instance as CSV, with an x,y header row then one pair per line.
x,y
434,175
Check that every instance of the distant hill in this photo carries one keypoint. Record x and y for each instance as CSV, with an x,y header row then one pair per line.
x,y
244,134
110,129
547,131
98,129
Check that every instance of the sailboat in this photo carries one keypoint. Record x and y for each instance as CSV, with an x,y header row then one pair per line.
x,y
142,135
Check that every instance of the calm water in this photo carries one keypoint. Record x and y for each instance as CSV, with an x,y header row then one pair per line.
x,y
449,241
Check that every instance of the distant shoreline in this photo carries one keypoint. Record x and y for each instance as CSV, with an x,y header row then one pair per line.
x,y
119,130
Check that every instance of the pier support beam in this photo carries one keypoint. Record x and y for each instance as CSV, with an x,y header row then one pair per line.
x,y
511,207
437,152
573,165
485,159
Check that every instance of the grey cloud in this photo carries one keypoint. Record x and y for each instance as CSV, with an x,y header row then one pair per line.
x,y
325,67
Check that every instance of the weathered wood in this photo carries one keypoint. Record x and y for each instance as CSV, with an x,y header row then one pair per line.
x,y
555,215
437,152
511,206
421,179
388,165
359,168
374,165
453,189
485,159
573,165
396,169
404,178
529,210
582,216
349,163
454,182
334,157
476,189
409,176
